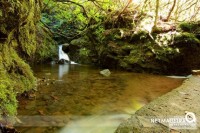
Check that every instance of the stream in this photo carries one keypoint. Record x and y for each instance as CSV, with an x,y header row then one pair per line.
x,y
77,99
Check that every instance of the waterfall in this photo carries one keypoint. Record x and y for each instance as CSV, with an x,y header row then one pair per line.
x,y
62,54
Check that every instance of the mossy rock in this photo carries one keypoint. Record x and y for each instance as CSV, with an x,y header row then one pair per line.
x,y
46,47
17,41
185,38
140,36
82,41
192,27
16,77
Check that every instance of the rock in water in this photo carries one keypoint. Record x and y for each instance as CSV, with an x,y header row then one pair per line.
x,y
105,72
62,61
195,72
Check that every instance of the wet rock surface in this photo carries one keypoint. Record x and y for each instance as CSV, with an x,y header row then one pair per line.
x,y
175,103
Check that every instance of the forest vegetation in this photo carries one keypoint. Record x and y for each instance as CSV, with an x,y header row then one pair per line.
x,y
156,36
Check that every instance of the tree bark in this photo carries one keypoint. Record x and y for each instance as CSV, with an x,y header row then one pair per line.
x,y
171,10
156,13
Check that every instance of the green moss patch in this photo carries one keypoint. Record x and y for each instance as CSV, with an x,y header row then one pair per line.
x,y
17,41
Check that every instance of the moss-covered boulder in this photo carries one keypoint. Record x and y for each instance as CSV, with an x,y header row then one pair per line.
x,y
187,59
17,42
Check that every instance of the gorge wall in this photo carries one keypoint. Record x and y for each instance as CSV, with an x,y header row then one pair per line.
x,y
21,40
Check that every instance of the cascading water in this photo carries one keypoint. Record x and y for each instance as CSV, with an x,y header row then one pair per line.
x,y
62,54
63,69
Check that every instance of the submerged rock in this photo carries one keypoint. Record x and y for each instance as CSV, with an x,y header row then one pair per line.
x,y
62,61
105,72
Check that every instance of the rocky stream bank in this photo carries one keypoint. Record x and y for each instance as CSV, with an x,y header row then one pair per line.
x,y
176,103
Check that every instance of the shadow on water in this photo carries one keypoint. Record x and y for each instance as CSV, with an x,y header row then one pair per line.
x,y
77,99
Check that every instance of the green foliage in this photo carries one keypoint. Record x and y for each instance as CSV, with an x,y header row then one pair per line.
x,y
66,19
84,52
46,51
46,47
118,31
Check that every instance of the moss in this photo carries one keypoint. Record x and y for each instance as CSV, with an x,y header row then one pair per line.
x,y
140,35
8,100
16,77
186,38
46,47
83,41
192,27
18,37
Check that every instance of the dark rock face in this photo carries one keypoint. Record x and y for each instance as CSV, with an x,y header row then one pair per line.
x,y
188,57
66,47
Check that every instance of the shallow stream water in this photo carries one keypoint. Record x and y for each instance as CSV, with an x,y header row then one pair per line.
x,y
77,99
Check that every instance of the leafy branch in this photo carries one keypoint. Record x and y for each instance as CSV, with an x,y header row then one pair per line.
x,y
69,1
66,36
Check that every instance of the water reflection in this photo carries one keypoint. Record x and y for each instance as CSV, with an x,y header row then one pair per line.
x,y
62,70
101,102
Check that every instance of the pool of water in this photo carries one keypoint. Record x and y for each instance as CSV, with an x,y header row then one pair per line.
x,y
77,99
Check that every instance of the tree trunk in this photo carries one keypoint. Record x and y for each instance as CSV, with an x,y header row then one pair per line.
x,y
156,13
171,10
